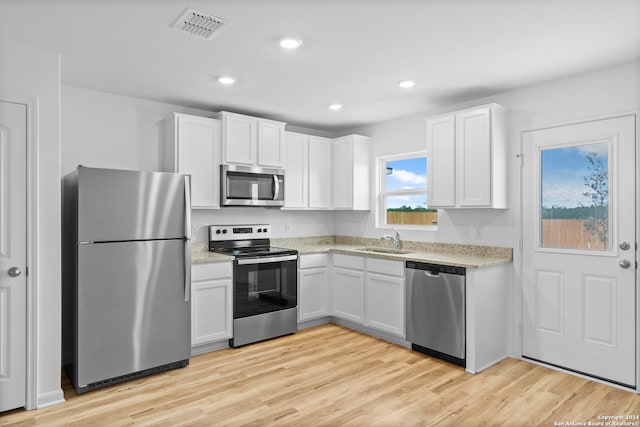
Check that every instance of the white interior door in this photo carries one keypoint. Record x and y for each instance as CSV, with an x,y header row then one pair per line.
x,y
13,254
579,250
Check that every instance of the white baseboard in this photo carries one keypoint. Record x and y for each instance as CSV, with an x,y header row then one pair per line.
x,y
51,398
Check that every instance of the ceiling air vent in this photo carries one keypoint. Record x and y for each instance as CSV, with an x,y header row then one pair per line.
x,y
200,24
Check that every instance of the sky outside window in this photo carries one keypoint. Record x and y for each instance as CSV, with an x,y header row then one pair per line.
x,y
405,175
563,174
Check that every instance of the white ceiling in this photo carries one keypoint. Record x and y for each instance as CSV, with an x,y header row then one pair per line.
x,y
354,51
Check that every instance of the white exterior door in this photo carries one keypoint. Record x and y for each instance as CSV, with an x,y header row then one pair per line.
x,y
579,249
13,254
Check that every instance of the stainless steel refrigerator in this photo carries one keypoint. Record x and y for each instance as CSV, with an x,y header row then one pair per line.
x,y
126,275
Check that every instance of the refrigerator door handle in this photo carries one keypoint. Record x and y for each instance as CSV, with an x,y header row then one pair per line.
x,y
187,270
187,238
187,207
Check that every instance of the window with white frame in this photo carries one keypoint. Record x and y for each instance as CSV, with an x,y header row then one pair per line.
x,y
402,192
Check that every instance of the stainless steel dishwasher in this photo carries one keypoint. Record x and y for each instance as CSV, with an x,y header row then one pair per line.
x,y
435,297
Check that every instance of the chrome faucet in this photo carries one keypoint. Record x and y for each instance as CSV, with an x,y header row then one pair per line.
x,y
396,240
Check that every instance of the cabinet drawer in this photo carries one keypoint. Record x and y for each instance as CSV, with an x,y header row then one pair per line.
x,y
313,261
213,270
385,266
348,261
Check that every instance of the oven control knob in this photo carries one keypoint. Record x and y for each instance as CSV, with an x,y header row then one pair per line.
x,y
259,230
218,231
264,229
224,231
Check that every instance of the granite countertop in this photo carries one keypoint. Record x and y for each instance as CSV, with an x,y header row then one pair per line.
x,y
200,254
468,256
455,259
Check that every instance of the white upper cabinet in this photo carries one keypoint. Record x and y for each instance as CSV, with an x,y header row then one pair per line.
x,y
320,172
441,152
270,143
193,147
467,155
352,173
307,172
252,141
296,166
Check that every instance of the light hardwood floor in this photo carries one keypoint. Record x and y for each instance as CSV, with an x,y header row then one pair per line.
x,y
332,376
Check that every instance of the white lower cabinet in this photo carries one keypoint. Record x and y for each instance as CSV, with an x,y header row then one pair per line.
x,y
211,302
384,292
348,287
313,282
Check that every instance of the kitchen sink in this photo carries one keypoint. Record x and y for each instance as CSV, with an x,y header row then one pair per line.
x,y
385,250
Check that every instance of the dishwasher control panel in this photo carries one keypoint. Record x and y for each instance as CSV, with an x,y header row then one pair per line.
x,y
437,268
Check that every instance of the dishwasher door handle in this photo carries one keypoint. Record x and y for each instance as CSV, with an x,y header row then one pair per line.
x,y
431,273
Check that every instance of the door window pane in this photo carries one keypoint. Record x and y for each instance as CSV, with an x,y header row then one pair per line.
x,y
575,197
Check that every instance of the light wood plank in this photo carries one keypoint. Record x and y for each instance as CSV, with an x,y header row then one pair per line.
x,y
329,376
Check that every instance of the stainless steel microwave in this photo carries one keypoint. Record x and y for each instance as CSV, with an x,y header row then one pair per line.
x,y
251,186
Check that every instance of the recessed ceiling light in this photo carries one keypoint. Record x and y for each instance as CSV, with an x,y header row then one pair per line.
x,y
335,107
290,43
226,80
406,84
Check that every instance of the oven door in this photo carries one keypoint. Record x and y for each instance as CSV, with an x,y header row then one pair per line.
x,y
264,284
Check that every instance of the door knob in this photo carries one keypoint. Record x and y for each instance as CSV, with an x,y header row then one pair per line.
x,y
14,272
624,263
624,246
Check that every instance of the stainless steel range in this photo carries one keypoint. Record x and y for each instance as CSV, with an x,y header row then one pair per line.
x,y
265,282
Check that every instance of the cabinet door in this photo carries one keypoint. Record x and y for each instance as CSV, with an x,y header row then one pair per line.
x,y
312,302
211,302
473,169
240,137
343,173
319,173
441,162
199,155
296,167
348,294
211,316
270,143
385,303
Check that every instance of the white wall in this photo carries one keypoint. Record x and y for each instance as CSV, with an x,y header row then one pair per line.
x,y
30,75
590,95
106,130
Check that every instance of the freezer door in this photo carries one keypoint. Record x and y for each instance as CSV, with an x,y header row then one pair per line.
x,y
131,310
119,205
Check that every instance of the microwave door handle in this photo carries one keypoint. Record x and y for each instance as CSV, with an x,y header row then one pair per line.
x,y
276,185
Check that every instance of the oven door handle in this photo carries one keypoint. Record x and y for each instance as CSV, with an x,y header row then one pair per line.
x,y
263,260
